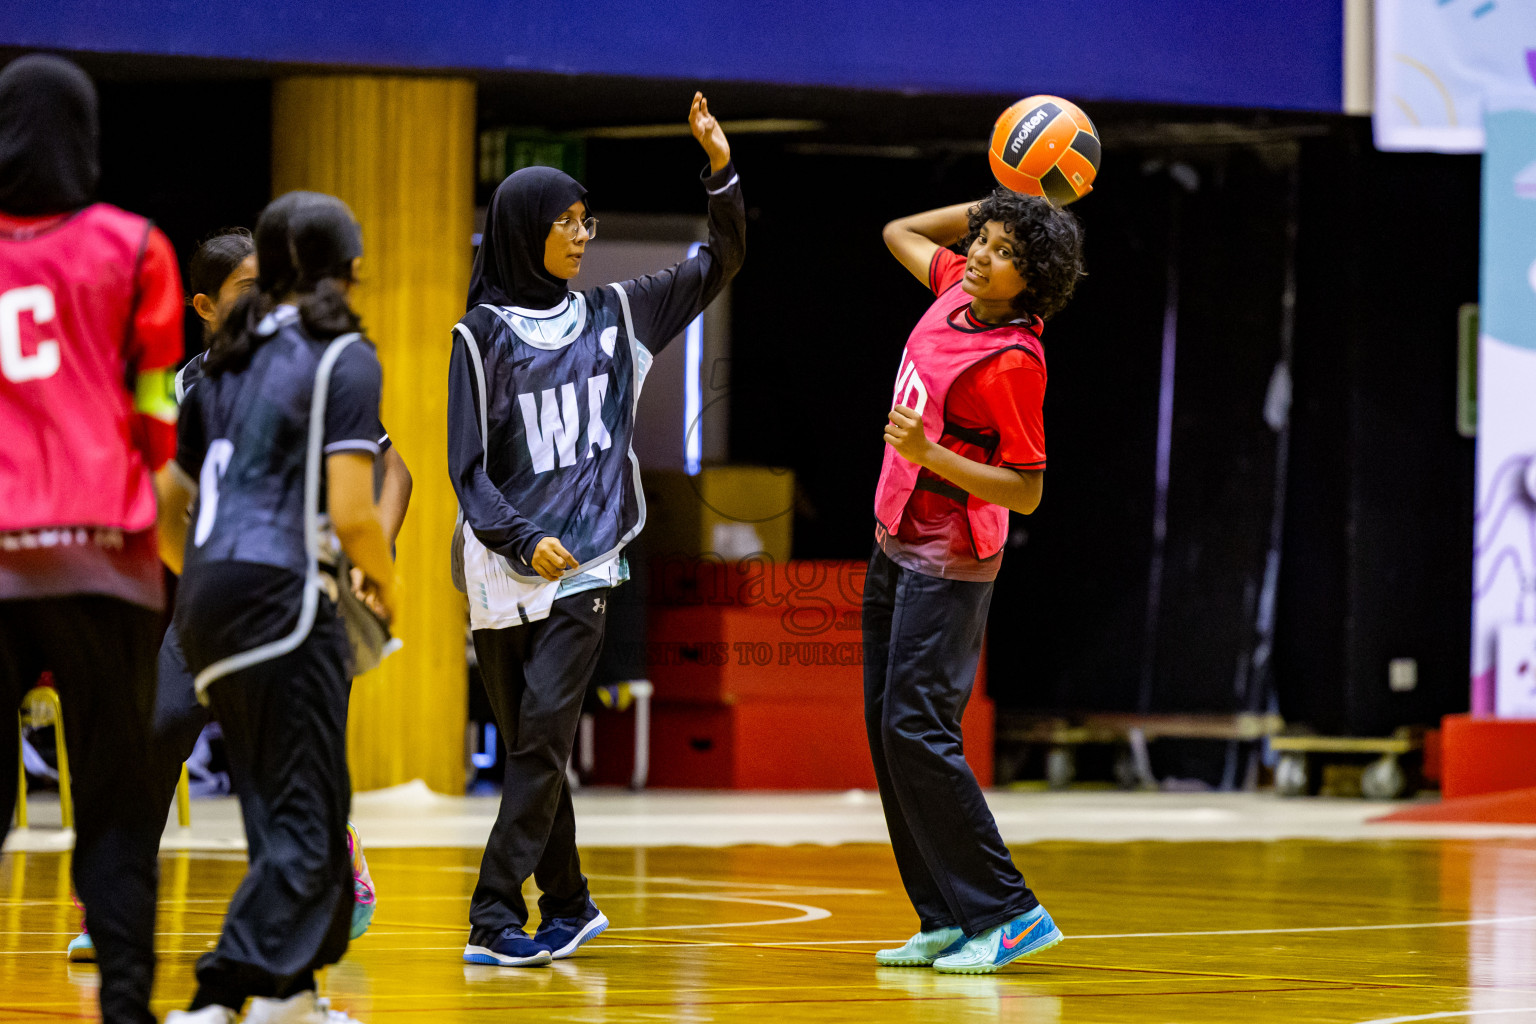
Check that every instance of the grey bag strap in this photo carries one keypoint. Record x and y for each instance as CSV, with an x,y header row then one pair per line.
x,y
313,465
456,544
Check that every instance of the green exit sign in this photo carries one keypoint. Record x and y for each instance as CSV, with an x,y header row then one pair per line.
x,y
504,150
1466,370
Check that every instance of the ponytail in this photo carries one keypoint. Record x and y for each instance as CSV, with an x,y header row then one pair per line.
x,y
325,312
305,244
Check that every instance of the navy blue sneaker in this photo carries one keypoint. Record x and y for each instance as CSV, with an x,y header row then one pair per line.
x,y
563,935
512,948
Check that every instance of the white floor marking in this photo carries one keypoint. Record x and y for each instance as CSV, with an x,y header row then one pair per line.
x,y
807,913
1449,1015
801,890
1322,928
792,890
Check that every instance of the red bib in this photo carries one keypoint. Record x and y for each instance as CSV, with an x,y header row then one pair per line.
x,y
66,303
936,356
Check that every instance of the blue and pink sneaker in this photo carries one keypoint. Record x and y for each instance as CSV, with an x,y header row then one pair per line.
x,y
1025,935
81,948
366,899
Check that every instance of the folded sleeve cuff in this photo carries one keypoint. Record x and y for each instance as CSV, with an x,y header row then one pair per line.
x,y
719,182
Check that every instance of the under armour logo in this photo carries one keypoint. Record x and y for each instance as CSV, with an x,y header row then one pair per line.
x,y
599,605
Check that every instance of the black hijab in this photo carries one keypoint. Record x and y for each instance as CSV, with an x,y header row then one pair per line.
x,y
509,267
48,137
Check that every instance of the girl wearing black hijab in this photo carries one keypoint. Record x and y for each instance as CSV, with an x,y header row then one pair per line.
x,y
543,384
90,335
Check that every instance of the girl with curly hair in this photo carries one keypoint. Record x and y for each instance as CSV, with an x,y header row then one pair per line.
x,y
965,444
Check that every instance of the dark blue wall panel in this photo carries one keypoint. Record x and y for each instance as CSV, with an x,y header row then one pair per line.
x,y
1250,53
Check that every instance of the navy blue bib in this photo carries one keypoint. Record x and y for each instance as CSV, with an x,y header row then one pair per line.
x,y
558,419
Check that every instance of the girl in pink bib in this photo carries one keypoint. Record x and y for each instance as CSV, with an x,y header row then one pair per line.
x,y
965,445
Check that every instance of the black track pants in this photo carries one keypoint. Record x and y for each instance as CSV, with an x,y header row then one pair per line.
x,y
101,652
536,676
285,724
922,640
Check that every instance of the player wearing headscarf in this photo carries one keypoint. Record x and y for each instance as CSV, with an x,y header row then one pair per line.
x,y
90,335
543,384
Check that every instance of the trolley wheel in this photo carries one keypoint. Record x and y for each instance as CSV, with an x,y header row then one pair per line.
x,y
1060,767
1291,775
1005,767
1383,779
1126,776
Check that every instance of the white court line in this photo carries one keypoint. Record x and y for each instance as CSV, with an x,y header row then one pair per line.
x,y
810,913
799,889
792,890
807,913
818,914
1324,928
1448,1015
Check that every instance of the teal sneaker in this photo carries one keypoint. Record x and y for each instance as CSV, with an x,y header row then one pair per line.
x,y
81,949
923,948
1025,935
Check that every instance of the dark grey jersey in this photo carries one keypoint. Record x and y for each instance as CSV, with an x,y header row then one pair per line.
x,y
244,437
192,372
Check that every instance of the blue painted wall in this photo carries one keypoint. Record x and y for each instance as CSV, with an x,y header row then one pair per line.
x,y
1250,53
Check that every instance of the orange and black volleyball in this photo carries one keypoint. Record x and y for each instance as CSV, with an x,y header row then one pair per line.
x,y
1045,146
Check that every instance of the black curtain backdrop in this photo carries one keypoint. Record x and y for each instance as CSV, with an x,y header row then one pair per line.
x,y
194,157
1379,528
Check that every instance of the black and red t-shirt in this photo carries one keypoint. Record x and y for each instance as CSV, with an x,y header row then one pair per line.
x,y
1001,396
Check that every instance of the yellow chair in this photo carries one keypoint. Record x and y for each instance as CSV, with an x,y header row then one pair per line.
x,y
41,707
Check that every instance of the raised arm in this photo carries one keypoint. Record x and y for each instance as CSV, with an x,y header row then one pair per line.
x,y
913,240
664,303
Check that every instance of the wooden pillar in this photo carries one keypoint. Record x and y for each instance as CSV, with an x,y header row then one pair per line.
x,y
400,152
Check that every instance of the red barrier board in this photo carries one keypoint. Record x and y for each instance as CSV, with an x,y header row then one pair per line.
x,y
1486,755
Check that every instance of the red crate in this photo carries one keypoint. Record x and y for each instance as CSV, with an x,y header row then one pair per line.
x,y
755,583
1486,755
725,655
770,743
758,670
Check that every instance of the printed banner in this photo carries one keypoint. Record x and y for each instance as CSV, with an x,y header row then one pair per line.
x,y
1504,562
1442,64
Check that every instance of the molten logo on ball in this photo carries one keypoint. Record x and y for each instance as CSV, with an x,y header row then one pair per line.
x,y
1019,145
1045,146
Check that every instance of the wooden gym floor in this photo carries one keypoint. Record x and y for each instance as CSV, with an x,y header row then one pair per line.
x,y
1291,930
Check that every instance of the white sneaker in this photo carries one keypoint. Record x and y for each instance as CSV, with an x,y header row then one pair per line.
x,y
207,1015
334,1016
303,1008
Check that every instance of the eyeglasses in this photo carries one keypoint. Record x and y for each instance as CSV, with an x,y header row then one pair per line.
x,y
572,228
